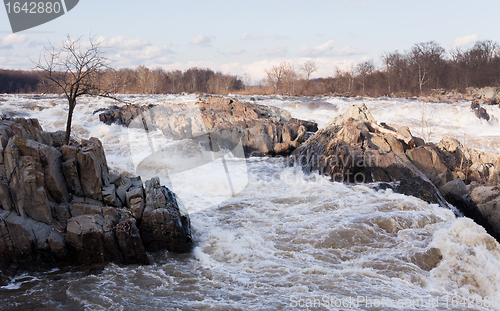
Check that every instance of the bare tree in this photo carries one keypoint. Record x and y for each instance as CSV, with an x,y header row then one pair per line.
x,y
364,69
309,68
75,68
282,75
428,58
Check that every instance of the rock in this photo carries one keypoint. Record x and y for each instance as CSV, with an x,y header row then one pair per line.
x,y
54,180
57,246
134,198
483,93
92,168
395,145
163,226
84,208
21,236
121,115
123,184
52,205
351,149
428,162
109,196
454,189
356,115
85,238
5,198
61,212
111,217
262,129
130,242
490,210
418,187
484,194
70,170
26,179
479,111
283,149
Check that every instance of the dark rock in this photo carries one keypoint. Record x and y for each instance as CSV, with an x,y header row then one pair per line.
x,y
54,180
121,115
350,149
52,205
122,185
70,170
163,226
109,196
92,169
26,179
85,238
5,198
428,162
417,187
82,208
135,201
130,242
61,212
479,111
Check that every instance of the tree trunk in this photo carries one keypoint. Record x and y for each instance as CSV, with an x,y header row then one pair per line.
x,y
72,104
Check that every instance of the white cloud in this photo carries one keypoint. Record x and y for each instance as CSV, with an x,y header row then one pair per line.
x,y
278,51
320,50
237,52
10,40
202,41
464,41
120,43
148,52
349,51
248,36
276,37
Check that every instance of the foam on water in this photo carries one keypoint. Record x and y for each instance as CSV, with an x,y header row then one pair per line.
x,y
283,237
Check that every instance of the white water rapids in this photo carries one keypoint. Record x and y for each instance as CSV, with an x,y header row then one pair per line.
x,y
287,241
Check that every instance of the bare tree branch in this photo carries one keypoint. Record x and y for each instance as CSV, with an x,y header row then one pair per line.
x,y
75,68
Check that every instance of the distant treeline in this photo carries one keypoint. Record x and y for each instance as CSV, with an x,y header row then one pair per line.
x,y
426,66
141,80
18,81
419,70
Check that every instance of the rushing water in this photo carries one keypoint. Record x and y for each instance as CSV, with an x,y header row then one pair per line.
x,y
287,240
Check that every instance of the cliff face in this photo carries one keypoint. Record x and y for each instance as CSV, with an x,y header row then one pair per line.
x,y
59,204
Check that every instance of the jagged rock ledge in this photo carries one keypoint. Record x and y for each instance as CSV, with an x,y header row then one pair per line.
x,y
262,130
60,205
354,148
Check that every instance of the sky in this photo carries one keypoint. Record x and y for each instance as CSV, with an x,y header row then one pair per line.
x,y
246,38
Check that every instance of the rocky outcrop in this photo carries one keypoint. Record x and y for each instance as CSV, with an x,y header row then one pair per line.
x,y
60,205
487,94
354,148
220,122
121,115
479,111
164,225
